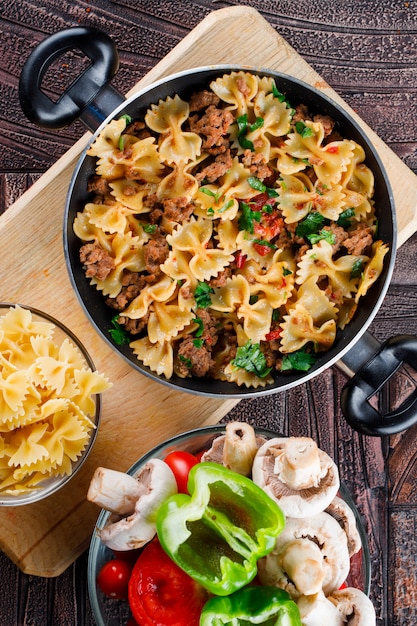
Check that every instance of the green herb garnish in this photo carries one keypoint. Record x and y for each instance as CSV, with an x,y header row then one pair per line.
x,y
250,358
244,128
311,224
248,217
117,333
257,184
327,235
345,218
200,328
198,343
187,362
202,295
150,228
357,268
299,360
303,130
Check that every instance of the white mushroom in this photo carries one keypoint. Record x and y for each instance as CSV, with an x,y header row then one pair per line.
x,y
114,491
134,531
343,514
293,471
236,449
354,606
328,557
317,610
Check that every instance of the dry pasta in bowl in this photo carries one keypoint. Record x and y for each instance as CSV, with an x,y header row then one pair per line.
x,y
233,232
49,404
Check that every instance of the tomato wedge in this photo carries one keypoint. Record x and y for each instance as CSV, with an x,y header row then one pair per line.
x,y
162,594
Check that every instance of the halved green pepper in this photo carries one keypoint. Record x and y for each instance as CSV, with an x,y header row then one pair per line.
x,y
253,605
218,532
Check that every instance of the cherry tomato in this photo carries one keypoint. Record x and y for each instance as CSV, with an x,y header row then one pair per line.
x,y
113,578
180,463
162,593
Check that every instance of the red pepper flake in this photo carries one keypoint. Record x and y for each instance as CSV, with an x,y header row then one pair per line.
x,y
273,334
333,149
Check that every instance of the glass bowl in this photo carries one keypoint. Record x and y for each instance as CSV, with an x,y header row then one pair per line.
x,y
110,612
51,483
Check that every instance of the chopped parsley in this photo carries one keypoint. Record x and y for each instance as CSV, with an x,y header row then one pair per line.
x,y
248,217
187,362
303,130
250,358
150,228
210,192
265,242
257,184
117,333
200,328
198,343
327,235
299,360
202,295
345,218
357,268
244,128
311,224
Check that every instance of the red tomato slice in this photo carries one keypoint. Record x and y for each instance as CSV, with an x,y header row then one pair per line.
x,y
113,578
162,594
180,463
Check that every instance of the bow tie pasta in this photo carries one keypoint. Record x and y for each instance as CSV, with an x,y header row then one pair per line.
x,y
47,402
233,233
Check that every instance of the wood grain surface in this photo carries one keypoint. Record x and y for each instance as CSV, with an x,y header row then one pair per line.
x,y
365,50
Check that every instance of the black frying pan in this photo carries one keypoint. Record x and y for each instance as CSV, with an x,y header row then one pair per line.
x,y
92,99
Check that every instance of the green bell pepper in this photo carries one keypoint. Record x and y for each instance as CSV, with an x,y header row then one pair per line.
x,y
253,605
218,532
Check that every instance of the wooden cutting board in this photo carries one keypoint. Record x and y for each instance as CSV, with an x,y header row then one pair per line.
x,y
45,538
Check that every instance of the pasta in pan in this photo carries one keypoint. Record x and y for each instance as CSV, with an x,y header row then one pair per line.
x,y
46,402
230,232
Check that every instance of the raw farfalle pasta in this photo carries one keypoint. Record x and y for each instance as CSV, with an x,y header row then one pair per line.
x,y
230,232
46,402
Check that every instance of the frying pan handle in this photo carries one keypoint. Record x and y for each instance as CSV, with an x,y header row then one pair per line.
x,y
370,379
89,97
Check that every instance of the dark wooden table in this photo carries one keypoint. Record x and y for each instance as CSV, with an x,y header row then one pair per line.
x,y
367,51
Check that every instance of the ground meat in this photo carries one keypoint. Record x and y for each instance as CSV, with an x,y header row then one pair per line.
x,y
243,86
194,360
177,209
221,164
255,162
339,234
134,327
213,125
97,262
327,123
202,100
98,185
301,113
270,350
359,240
221,278
155,253
132,285
138,129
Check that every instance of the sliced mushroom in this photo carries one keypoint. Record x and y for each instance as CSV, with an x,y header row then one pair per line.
x,y
293,471
114,491
317,610
343,514
138,528
236,449
354,606
328,557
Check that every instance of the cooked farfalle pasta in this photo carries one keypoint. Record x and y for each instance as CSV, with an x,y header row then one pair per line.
x,y
47,402
229,231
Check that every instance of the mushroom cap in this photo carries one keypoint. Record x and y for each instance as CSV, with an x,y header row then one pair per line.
x,y
293,471
317,610
134,531
355,607
236,449
343,514
324,532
